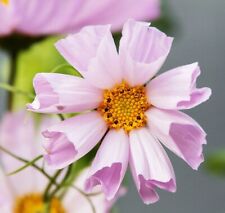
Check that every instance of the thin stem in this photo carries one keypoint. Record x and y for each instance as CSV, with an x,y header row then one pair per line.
x,y
30,163
62,184
13,155
61,117
86,196
50,184
13,89
12,77
25,161
60,66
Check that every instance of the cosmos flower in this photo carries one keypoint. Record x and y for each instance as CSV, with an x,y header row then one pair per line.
x,y
41,17
23,192
124,106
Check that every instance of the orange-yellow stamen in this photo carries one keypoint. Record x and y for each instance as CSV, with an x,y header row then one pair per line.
x,y
5,2
124,107
33,203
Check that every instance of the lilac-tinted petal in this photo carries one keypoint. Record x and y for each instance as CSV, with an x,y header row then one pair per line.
x,y
53,15
17,134
110,163
99,201
176,89
150,166
116,12
142,50
59,93
87,52
39,17
7,195
180,133
73,138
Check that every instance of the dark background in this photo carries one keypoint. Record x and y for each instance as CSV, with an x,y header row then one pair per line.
x,y
199,36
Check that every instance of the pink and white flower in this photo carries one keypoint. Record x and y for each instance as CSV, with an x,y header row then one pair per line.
x,y
41,17
17,134
124,107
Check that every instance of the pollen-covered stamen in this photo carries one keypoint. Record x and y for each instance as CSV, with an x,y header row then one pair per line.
x,y
124,107
33,203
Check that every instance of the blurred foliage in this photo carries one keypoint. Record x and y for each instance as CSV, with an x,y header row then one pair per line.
x,y
41,57
4,66
166,22
215,163
16,42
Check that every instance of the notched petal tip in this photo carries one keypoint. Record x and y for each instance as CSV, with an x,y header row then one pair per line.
x,y
109,178
148,192
191,139
35,105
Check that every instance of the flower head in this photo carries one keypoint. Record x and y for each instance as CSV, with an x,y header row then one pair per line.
x,y
124,107
24,192
39,17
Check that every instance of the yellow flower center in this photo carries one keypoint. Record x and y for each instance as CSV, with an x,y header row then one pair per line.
x,y
124,107
5,2
33,203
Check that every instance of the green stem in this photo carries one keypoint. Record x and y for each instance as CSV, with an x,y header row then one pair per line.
x,y
12,76
60,66
86,196
50,184
25,161
61,117
13,89
30,163
63,183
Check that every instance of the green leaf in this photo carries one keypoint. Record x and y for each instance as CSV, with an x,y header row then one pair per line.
x,y
215,163
41,57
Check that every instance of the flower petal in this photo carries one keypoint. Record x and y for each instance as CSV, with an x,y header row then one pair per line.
x,y
117,12
176,89
110,164
93,52
180,133
17,133
100,203
7,19
71,139
59,93
150,166
142,51
40,17
6,196
53,17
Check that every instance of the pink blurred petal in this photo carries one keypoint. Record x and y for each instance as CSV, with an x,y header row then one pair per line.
x,y
59,93
180,133
7,19
72,139
116,13
40,17
6,194
150,166
143,50
87,50
18,135
176,89
110,164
